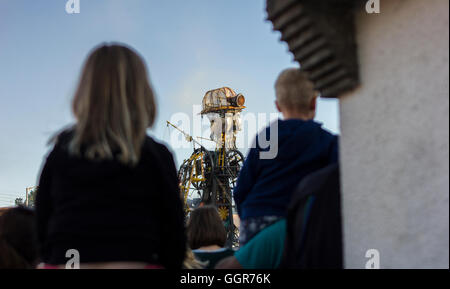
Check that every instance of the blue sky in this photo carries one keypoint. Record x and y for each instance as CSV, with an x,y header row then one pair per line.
x,y
189,46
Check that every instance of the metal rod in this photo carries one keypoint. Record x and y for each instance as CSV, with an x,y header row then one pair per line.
x,y
188,137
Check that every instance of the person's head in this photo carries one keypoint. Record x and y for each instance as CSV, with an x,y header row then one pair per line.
x,y
18,239
114,105
205,228
295,94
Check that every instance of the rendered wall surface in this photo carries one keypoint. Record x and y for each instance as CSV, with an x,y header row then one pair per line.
x,y
395,138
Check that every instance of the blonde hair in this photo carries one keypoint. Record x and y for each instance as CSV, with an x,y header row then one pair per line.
x,y
114,104
190,262
294,90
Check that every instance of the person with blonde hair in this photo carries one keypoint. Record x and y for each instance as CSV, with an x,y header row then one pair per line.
x,y
191,261
265,185
295,95
107,189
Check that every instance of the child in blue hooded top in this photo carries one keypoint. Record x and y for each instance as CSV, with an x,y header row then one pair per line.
x,y
282,155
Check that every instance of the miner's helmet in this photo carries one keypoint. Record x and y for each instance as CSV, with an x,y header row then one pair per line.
x,y
237,100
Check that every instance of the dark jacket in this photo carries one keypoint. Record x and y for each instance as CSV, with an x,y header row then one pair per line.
x,y
314,225
109,211
265,186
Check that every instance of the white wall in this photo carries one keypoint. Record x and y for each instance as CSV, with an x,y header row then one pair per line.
x,y
395,138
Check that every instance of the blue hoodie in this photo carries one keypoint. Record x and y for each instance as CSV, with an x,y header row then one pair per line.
x,y
265,186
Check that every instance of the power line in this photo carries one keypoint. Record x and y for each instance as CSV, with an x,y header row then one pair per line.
x,y
11,196
8,190
15,196
7,200
10,193
4,204
1,195
13,190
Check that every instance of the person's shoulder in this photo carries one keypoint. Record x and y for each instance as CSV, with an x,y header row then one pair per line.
x,y
58,146
154,146
59,141
63,136
155,143
263,250
324,135
325,132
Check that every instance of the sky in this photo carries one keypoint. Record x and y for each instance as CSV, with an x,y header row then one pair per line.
x,y
189,47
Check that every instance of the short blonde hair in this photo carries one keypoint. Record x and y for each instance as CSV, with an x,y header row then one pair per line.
x,y
294,90
114,105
